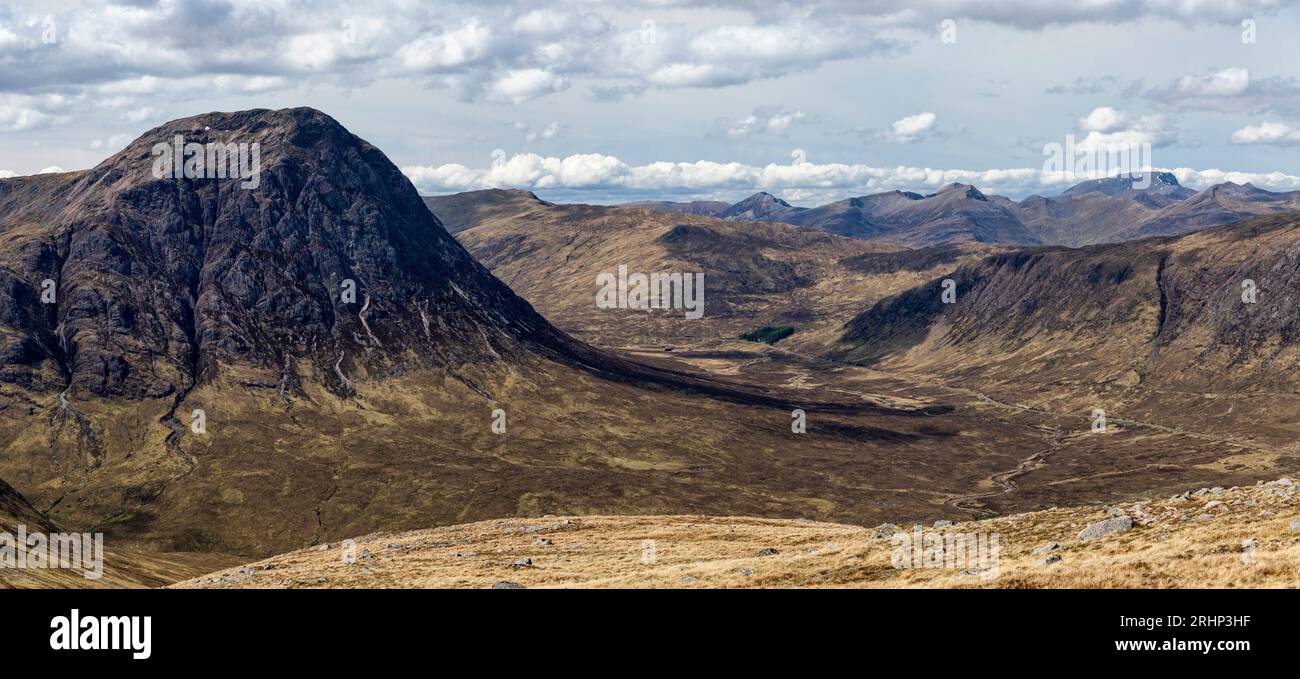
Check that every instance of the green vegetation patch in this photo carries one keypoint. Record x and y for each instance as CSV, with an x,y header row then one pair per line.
x,y
770,334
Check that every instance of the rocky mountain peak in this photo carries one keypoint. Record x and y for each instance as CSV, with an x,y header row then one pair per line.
x,y
314,258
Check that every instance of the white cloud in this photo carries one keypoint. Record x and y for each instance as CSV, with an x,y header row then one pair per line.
x,y
905,130
1230,82
511,50
1231,90
464,45
1108,126
1277,134
5,174
1104,119
53,169
765,120
20,112
545,134
912,128
598,172
529,83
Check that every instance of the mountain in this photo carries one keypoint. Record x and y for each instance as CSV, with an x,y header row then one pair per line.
x,y
958,213
195,376
170,292
1112,210
1153,190
1155,330
160,283
760,207
696,207
1078,219
1096,211
1219,204
459,211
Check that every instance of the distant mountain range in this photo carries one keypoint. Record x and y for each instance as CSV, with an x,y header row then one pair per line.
x,y
1097,211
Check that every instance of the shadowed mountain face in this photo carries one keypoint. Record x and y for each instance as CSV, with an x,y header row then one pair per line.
x,y
15,510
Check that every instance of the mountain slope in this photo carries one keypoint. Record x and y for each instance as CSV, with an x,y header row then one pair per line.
x,y
1155,330
1078,219
1217,205
760,207
15,510
459,211
709,208
1241,537
120,568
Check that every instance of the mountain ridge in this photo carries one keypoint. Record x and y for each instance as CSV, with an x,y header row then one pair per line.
x,y
1094,211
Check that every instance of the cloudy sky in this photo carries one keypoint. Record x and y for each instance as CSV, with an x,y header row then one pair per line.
x,y
615,101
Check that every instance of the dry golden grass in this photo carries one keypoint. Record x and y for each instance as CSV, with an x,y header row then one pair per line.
x,y
1171,544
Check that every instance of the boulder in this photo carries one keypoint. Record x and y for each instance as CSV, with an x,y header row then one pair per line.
x,y
1109,526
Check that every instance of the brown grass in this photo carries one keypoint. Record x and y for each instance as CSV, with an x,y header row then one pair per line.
x,y
1169,546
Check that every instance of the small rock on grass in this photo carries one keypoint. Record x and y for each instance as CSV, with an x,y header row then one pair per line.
x,y
506,584
1055,558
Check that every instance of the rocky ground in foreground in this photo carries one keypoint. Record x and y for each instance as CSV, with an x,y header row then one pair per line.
x,y
1211,537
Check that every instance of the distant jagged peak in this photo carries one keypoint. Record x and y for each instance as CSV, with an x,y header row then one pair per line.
x,y
959,189
763,198
1151,182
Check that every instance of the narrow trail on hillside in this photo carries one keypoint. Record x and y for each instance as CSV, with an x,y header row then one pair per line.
x,y
1005,479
